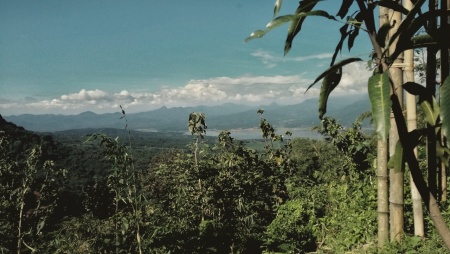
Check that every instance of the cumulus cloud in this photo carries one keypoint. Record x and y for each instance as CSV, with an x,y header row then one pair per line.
x,y
84,95
246,89
354,79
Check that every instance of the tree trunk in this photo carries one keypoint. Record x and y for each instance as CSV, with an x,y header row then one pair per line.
x,y
411,115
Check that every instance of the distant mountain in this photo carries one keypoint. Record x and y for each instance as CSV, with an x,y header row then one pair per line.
x,y
228,116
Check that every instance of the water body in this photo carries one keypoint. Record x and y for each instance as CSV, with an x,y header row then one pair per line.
x,y
255,133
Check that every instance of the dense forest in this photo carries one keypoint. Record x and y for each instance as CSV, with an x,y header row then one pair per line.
x,y
106,191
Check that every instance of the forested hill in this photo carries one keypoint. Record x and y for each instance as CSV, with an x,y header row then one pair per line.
x,y
227,116
18,139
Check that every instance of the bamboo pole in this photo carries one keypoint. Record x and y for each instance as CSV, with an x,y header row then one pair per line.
x,y
382,174
396,187
411,114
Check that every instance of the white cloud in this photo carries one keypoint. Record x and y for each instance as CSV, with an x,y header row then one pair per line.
x,y
354,79
84,95
246,89
270,60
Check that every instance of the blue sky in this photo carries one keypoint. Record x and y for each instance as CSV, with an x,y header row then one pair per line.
x,y
66,57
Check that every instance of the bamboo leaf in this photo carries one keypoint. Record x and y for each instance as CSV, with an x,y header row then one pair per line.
x,y
378,89
277,7
445,109
328,84
334,68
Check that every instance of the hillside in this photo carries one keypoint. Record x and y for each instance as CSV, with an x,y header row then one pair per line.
x,y
227,116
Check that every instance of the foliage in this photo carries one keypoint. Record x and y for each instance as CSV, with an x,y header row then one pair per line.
x,y
292,196
335,176
222,204
29,190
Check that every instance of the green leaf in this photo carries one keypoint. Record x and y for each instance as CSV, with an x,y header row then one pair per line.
x,y
354,33
409,29
256,34
382,34
281,20
296,24
278,21
333,68
443,153
381,105
396,161
344,34
431,112
277,7
427,102
407,21
445,109
344,8
423,40
328,84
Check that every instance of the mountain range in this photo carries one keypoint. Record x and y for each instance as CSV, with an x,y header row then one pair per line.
x,y
227,116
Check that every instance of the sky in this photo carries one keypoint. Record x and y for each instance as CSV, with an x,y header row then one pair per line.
x,y
67,57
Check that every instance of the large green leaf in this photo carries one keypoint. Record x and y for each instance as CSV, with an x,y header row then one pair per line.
x,y
333,69
445,109
381,104
328,84
296,24
278,21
